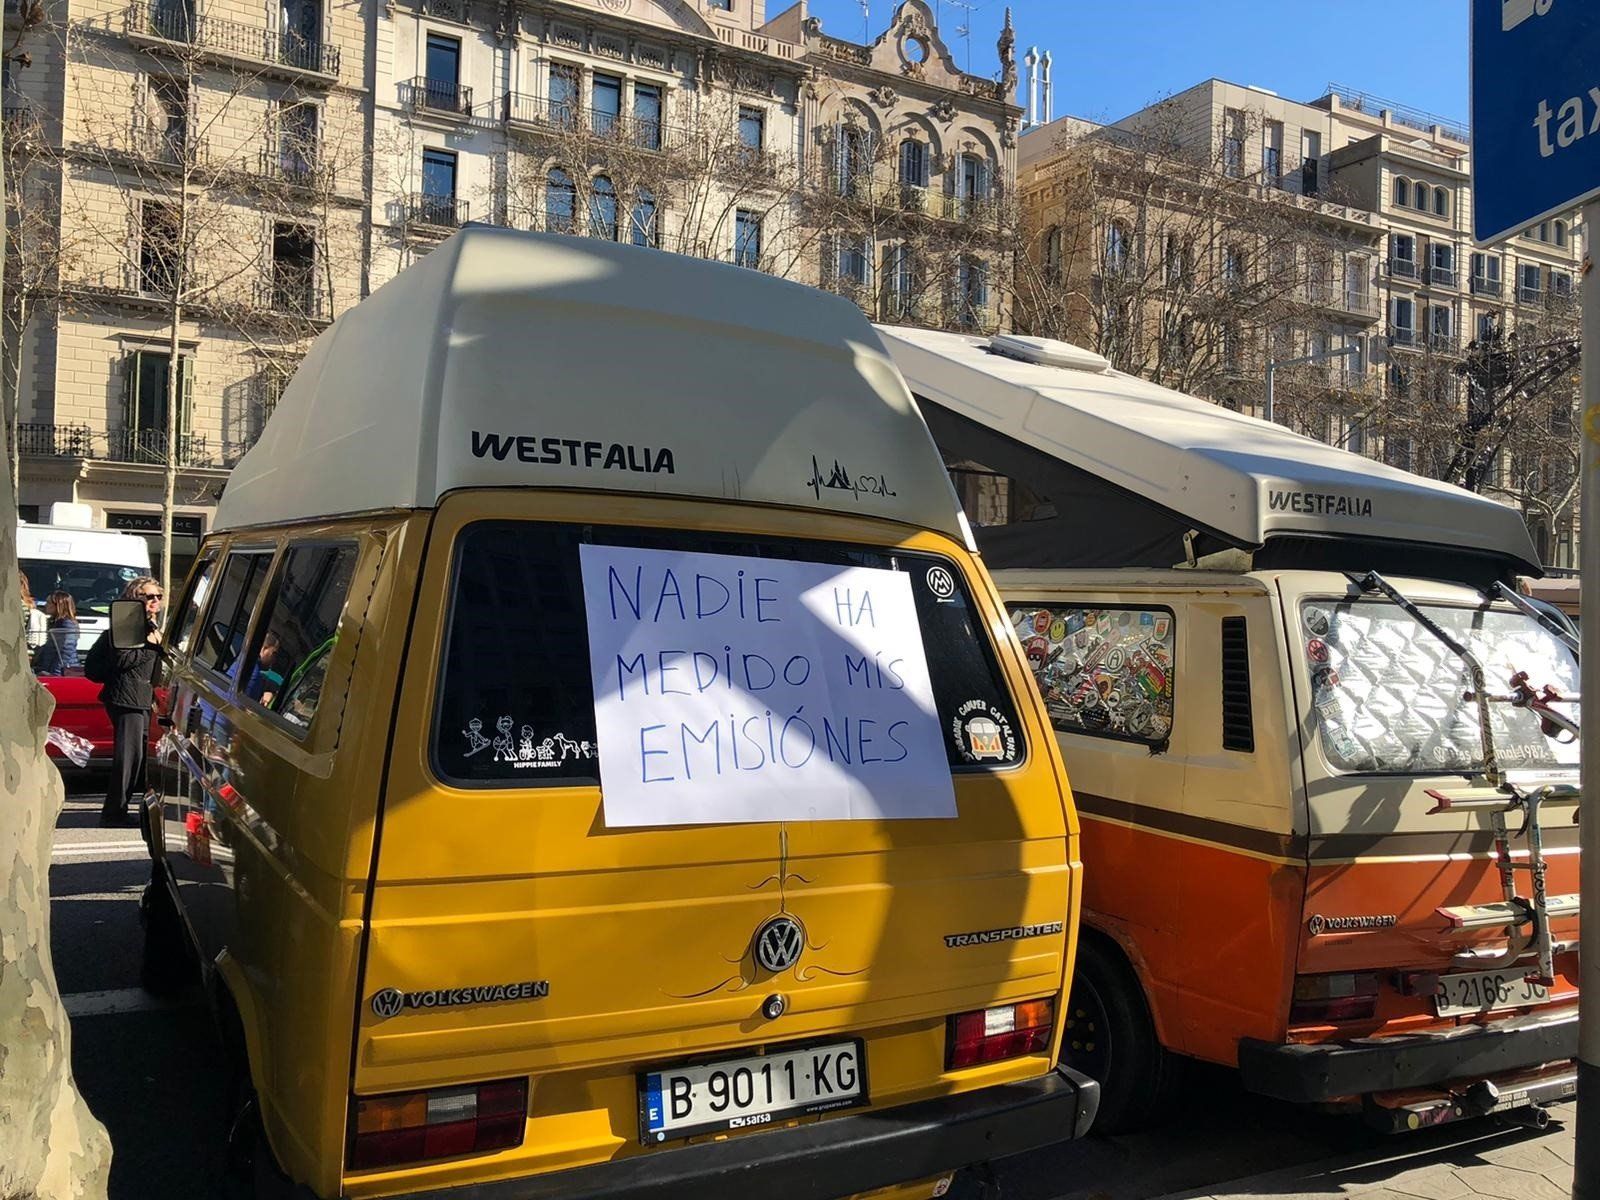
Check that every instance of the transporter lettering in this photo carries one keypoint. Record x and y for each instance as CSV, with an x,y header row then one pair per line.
x,y
985,936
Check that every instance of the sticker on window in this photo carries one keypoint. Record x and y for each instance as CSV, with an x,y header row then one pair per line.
x,y
1102,671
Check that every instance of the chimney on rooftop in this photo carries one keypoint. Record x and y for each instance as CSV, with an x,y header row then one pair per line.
x,y
1032,117
1049,106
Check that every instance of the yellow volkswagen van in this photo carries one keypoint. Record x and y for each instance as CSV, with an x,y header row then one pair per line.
x,y
598,765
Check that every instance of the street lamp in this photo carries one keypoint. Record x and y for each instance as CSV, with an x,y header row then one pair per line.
x,y
1322,356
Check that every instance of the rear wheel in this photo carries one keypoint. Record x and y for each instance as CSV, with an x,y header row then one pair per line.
x,y
165,966
1110,1036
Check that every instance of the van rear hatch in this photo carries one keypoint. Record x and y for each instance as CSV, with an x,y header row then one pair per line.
x,y
1389,941
517,934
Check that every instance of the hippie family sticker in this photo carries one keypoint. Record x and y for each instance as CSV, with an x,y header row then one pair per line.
x,y
518,747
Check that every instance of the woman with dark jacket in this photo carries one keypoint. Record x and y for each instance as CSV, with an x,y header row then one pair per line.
x,y
129,692
60,649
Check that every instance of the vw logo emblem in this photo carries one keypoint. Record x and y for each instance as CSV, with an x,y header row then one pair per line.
x,y
1317,924
778,943
388,1002
941,583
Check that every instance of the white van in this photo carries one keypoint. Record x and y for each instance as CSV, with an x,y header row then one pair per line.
x,y
94,565
1306,852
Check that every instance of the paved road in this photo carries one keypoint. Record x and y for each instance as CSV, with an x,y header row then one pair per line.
x,y
145,1068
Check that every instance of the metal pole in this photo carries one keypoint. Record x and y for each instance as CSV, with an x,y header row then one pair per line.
x,y
1586,1166
1271,367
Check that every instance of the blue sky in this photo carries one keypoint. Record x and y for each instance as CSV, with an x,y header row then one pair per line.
x,y
1114,56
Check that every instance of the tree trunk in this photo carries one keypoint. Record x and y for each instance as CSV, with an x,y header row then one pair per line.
x,y
169,482
51,1147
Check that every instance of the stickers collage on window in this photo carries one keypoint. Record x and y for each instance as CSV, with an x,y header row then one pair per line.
x,y
1105,671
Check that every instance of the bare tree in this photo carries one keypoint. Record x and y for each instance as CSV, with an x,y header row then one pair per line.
x,y
1180,267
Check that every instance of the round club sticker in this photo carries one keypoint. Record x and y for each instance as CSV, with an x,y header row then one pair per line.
x,y
1317,650
983,733
941,583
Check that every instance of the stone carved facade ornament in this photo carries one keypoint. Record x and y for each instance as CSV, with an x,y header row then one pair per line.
x,y
944,110
616,6
1008,132
567,35
1008,58
745,79
912,25
883,97
652,56
610,46
911,69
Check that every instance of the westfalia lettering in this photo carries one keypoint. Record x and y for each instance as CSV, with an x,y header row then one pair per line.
x,y
532,989
1324,504
553,451
985,936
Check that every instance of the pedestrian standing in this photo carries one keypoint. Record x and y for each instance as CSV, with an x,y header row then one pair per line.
x,y
60,650
33,621
129,692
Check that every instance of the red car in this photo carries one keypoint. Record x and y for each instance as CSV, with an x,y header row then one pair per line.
x,y
78,710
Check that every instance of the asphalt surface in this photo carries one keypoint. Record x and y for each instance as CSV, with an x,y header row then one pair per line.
x,y
148,1068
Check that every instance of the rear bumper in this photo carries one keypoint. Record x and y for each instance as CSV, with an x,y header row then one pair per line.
x,y
830,1158
1334,1070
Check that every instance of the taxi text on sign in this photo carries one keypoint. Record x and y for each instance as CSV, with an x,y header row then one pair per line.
x,y
734,689
1535,111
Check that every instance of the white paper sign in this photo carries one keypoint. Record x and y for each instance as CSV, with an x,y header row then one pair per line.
x,y
731,689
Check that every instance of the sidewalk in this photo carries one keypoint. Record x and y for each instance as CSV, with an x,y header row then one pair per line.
x,y
1507,1163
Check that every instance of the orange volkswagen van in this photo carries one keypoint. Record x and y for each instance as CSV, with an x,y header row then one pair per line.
x,y
598,764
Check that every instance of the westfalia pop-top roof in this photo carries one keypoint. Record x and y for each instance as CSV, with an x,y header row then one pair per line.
x,y
1131,466
508,359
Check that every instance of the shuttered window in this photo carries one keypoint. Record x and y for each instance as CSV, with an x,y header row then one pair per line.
x,y
1238,730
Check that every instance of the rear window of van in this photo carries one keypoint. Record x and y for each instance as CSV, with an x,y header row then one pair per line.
x,y
515,703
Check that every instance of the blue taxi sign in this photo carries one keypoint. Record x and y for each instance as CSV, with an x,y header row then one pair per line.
x,y
1535,111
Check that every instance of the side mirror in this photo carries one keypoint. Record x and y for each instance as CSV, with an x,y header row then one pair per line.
x,y
129,625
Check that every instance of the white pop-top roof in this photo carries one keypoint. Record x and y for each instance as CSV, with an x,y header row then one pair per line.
x,y
508,359
1246,478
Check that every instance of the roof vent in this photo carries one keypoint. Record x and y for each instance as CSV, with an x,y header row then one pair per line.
x,y
1047,352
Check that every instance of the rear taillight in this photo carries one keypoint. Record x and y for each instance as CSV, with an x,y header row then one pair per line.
x,y
1323,999
990,1034
410,1127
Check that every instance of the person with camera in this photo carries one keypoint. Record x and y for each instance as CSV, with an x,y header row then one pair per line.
x,y
128,677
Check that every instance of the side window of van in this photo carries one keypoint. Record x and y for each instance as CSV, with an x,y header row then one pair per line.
x,y
221,641
1104,671
515,703
289,657
194,603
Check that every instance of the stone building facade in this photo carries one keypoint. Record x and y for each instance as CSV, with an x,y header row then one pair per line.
x,y
244,170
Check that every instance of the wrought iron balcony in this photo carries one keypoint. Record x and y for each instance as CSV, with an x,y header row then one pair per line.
x,y
1482,285
294,292
300,168
36,440
1441,341
1442,276
1403,268
422,94
1529,295
22,127
150,446
1400,336
176,22
636,130
171,146
438,212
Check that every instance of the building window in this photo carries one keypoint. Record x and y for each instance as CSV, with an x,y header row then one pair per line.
x,y
1561,233
1529,282
1402,192
854,262
1561,284
1233,143
900,276
294,270
972,293
1310,155
1397,450
1272,153
297,140
1116,248
144,406
974,181
1052,253
914,163
747,239
720,5
1233,266
1441,202
752,130
160,259
1403,255
852,158
1486,274
560,201
438,187
169,126
1544,231
605,102
302,33
443,84
1443,263
1439,327
647,115
603,208
644,226
565,93
1402,316
1488,326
